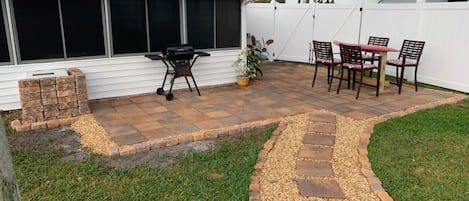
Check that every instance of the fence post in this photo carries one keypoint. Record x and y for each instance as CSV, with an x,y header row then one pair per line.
x,y
9,188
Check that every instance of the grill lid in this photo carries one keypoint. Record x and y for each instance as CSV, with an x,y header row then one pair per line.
x,y
181,52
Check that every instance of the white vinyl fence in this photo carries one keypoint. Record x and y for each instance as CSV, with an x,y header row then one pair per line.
x,y
444,27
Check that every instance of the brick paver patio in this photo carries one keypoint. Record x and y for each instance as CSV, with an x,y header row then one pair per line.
x,y
134,122
284,90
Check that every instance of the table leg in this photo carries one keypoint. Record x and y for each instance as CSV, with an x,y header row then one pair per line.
x,y
382,67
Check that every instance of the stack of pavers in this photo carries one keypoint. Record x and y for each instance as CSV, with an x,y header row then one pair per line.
x,y
52,101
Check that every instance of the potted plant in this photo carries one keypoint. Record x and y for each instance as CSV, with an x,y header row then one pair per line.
x,y
246,66
261,48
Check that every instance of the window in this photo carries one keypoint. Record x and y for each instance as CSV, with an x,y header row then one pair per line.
x,y
63,29
129,31
163,16
200,28
129,25
228,23
44,28
4,52
214,23
38,29
83,28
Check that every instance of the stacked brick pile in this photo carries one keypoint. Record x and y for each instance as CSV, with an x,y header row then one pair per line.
x,y
52,101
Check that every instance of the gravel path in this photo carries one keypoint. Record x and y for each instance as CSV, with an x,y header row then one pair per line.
x,y
278,177
93,134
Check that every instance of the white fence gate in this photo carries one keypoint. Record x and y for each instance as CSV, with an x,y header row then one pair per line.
x,y
444,27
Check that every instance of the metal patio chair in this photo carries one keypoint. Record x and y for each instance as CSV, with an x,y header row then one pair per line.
x,y
324,55
409,56
351,56
371,56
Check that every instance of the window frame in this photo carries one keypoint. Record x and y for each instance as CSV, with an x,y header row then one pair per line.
x,y
6,24
17,43
104,34
14,51
216,43
182,29
111,36
64,58
215,33
212,25
152,33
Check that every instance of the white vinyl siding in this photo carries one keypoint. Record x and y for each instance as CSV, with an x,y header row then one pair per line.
x,y
121,76
117,75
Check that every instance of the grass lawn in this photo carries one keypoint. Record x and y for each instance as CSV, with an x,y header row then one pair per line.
x,y
222,173
424,155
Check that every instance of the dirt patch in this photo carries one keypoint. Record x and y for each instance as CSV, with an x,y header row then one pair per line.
x,y
75,146
64,138
162,157
42,140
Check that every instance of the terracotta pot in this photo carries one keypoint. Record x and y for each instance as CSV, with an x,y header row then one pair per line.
x,y
242,81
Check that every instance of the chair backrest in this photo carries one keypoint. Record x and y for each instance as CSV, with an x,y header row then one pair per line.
x,y
351,54
412,49
323,50
374,40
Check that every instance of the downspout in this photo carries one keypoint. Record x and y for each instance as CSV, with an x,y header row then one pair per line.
x,y
360,23
274,27
12,41
311,49
244,4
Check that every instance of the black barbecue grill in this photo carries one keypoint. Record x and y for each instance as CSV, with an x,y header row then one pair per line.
x,y
179,60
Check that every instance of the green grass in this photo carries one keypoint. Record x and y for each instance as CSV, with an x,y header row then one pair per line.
x,y
220,174
425,155
7,117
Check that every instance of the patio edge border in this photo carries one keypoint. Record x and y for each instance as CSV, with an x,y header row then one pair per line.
x,y
190,137
255,185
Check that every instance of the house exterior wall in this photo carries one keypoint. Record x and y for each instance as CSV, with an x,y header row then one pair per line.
x,y
441,25
120,76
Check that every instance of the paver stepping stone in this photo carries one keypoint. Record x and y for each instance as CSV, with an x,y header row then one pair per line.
x,y
315,152
325,188
325,118
315,169
318,139
321,128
